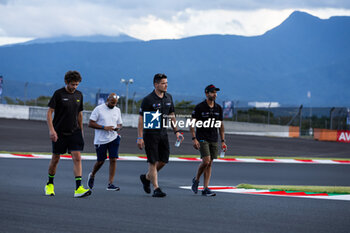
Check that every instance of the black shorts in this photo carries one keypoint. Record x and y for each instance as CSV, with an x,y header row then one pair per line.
x,y
68,142
156,147
112,148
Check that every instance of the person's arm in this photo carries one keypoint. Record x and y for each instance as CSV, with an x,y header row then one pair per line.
x,y
222,136
52,131
80,120
119,127
222,130
140,142
196,144
119,122
173,125
94,125
173,120
80,114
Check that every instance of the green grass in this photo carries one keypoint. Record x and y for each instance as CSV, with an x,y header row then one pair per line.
x,y
195,156
300,188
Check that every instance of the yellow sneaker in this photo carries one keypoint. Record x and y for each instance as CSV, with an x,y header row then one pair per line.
x,y
82,192
49,190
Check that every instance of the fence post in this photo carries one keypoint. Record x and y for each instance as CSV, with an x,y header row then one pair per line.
x,y
300,119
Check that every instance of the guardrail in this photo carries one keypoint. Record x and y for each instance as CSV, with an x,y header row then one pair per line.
x,y
131,120
22,112
332,135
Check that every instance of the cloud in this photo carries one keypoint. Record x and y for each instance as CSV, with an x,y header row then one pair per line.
x,y
180,5
12,40
160,6
199,22
153,19
52,20
3,2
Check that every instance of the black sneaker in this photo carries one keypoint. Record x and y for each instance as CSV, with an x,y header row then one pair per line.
x,y
146,183
158,193
111,187
207,192
90,181
195,184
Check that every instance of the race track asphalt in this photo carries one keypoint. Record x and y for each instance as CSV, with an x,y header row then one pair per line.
x,y
24,208
33,136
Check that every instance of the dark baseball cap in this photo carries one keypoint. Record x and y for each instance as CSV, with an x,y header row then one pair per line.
x,y
211,88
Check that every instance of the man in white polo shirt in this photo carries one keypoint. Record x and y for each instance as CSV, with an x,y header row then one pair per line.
x,y
106,120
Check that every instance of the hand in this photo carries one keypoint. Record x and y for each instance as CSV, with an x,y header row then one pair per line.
x,y
119,127
140,143
223,146
108,128
196,144
180,135
53,136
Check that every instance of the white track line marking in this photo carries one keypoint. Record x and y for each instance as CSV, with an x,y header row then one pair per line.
x,y
233,189
187,159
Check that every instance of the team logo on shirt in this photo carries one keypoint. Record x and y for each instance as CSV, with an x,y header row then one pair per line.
x,y
156,106
151,120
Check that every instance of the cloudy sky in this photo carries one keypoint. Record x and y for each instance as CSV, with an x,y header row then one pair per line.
x,y
152,19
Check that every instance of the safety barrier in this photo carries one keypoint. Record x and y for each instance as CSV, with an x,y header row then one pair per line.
x,y
14,111
332,135
131,120
22,112
294,132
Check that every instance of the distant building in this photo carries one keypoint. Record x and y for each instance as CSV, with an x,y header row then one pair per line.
x,y
264,104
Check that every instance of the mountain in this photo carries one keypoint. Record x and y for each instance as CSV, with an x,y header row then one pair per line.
x,y
92,39
304,53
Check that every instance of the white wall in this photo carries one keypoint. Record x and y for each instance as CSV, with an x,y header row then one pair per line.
x,y
131,120
245,128
39,113
14,111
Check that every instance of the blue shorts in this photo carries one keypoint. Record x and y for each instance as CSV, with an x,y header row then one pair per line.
x,y
112,148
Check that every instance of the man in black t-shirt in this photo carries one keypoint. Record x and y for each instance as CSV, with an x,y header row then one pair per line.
x,y
210,116
66,130
152,134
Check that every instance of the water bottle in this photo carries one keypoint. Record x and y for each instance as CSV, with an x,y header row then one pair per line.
x,y
222,153
178,141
